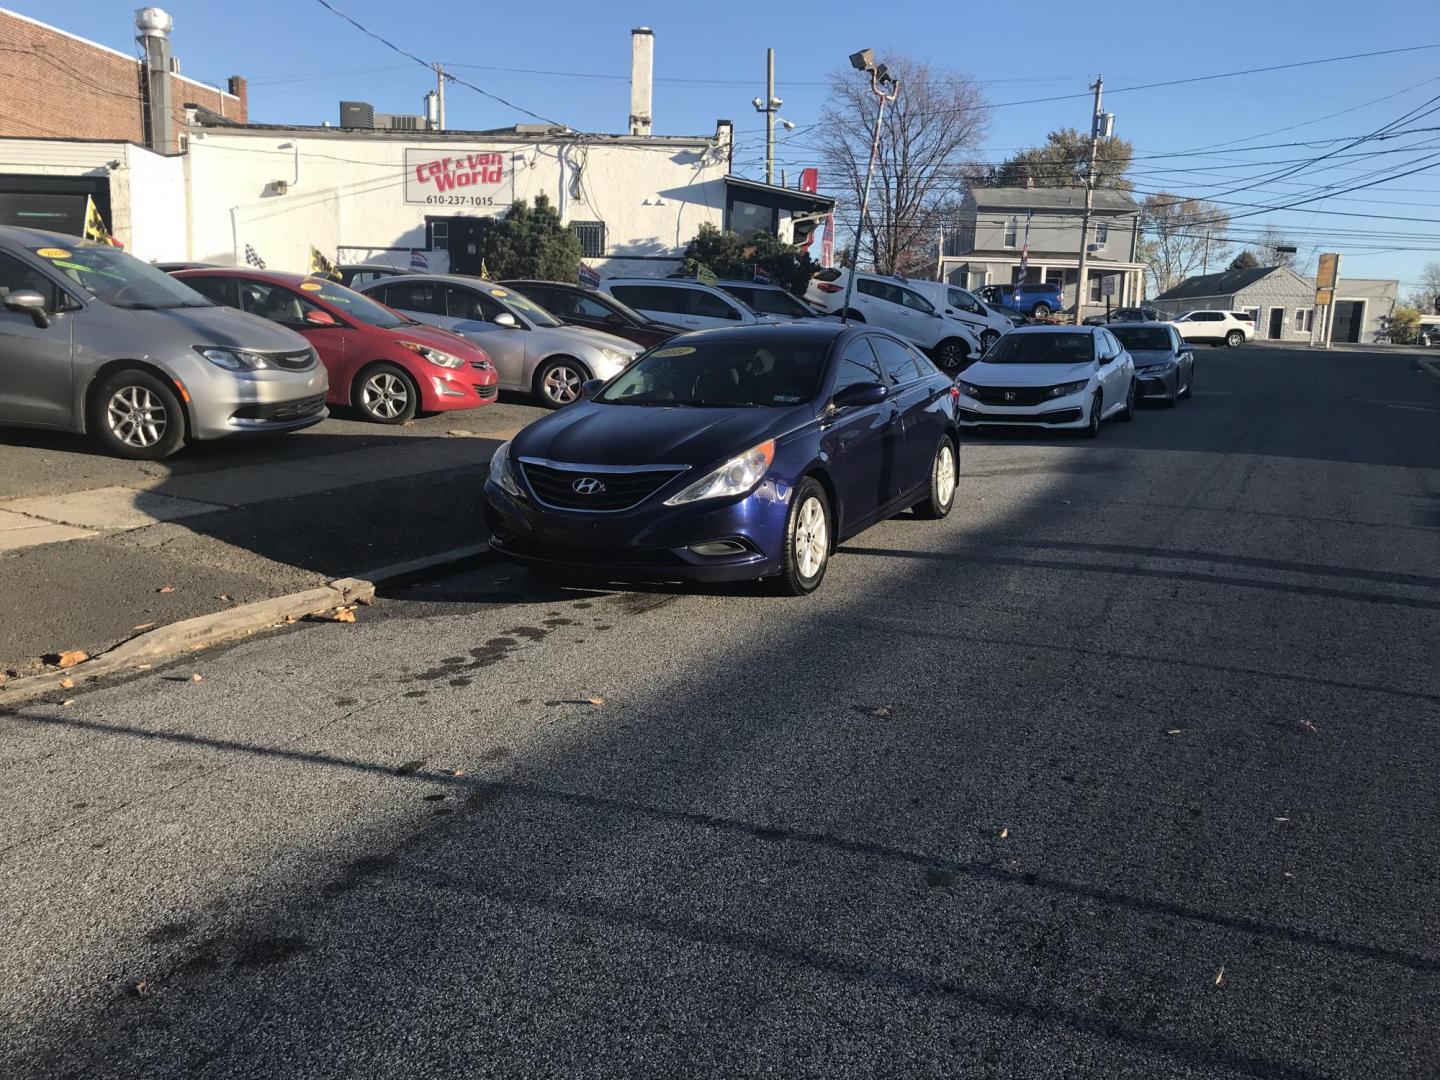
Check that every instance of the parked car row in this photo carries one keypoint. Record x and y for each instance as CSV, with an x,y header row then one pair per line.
x,y
902,307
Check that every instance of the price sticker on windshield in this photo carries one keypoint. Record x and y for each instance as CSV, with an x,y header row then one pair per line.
x,y
311,286
499,292
53,253
675,350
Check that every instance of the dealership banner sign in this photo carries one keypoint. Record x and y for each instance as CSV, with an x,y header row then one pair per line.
x,y
463,179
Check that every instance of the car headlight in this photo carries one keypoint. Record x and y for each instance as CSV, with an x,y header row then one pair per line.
x,y
233,359
736,477
436,356
1066,389
1154,369
501,473
968,389
616,357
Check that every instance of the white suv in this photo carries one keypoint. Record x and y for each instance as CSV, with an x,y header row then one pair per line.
x,y
684,302
899,308
1215,327
963,306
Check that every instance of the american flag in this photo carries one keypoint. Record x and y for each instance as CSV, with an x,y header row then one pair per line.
x,y
253,258
761,275
418,261
588,276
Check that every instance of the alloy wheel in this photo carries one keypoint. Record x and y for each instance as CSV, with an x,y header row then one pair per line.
x,y
945,474
988,339
812,538
952,355
385,396
136,416
562,384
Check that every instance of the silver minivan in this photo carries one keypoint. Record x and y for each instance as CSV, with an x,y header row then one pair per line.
x,y
93,340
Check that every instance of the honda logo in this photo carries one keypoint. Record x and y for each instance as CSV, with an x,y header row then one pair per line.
x,y
1009,395
588,485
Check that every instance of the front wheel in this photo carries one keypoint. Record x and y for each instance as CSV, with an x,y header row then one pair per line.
x,y
1092,429
558,382
1128,413
1189,384
944,473
807,541
951,354
1235,339
136,415
385,394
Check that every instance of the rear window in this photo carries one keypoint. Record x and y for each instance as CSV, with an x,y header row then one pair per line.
x,y
1143,337
652,298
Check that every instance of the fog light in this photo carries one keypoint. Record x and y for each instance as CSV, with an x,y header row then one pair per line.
x,y
719,547
445,388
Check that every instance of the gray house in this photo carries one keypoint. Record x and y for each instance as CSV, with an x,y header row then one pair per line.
x,y
1283,302
985,247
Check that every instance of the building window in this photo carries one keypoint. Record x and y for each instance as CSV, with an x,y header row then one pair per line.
x,y
1300,314
1102,234
1055,277
592,238
1012,231
440,234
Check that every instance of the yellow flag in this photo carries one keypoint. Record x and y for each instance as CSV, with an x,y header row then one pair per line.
x,y
320,266
95,224
484,271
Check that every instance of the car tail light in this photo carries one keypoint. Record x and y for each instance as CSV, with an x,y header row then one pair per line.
x,y
954,393
827,287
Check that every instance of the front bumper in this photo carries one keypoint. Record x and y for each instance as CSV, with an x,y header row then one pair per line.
x,y
1064,412
648,542
224,404
468,387
1160,386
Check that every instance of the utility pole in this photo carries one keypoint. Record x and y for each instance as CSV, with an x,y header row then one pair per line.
x,y
770,107
1101,124
880,77
439,97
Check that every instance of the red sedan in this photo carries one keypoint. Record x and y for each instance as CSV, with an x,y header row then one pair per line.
x,y
387,366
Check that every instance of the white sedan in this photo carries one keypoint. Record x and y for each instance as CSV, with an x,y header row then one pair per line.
x,y
1065,377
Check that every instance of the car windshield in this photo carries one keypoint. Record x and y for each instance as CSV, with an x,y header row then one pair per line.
x,y
109,274
774,302
357,305
1143,337
1047,348
517,301
722,375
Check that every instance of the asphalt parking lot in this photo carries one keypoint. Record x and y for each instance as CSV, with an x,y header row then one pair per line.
x,y
1126,770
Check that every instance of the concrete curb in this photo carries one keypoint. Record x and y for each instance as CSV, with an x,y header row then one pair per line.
x,y
177,639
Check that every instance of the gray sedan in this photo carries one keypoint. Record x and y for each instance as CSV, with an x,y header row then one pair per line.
x,y
1164,361
531,349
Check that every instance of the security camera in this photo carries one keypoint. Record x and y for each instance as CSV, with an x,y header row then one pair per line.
x,y
759,105
863,60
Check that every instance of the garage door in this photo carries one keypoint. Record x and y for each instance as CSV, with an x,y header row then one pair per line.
x,y
1349,319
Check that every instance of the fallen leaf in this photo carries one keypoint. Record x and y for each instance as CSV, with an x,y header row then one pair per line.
x,y
1220,975
1004,833
197,677
71,658
222,597
141,988
67,683
143,626
596,700
166,588
456,772
343,615
880,710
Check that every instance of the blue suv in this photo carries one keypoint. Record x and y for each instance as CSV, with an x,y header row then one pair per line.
x,y
1034,299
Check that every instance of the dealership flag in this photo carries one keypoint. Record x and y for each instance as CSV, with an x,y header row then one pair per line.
x,y
588,276
484,271
827,243
1025,250
253,258
418,261
761,275
95,224
320,266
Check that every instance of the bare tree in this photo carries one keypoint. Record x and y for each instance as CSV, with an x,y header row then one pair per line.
x,y
1181,237
1267,249
926,137
1425,297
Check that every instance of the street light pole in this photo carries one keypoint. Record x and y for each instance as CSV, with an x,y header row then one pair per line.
x,y
771,108
1098,121
879,77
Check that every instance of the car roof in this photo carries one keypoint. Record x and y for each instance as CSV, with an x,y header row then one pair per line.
x,y
18,234
1137,323
1045,328
687,282
802,331
373,266
278,277
749,284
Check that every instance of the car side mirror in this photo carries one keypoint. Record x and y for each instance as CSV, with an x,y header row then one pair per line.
x,y
856,394
29,302
507,320
320,318
590,387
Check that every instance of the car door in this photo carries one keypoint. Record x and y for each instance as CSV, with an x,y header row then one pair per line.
x,y
36,362
912,396
861,442
879,303
1184,356
472,314
923,324
335,343
1113,376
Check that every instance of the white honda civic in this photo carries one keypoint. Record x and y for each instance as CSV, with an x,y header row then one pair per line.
x,y
1066,377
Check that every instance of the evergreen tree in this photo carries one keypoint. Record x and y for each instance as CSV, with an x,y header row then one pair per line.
x,y
529,242
1246,260
730,255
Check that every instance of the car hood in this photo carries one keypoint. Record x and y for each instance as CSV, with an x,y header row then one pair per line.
x,y
1143,357
587,433
984,374
434,336
220,326
558,337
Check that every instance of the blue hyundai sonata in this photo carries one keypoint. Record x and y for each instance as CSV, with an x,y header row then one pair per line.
x,y
730,454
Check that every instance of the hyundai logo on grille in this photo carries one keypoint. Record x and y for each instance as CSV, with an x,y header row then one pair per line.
x,y
587,485
1009,395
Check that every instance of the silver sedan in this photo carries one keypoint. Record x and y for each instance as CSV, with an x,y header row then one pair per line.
x,y
532,350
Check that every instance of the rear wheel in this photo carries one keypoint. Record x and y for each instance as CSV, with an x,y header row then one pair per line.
x,y
807,541
1040,311
385,394
944,474
559,380
136,415
1235,339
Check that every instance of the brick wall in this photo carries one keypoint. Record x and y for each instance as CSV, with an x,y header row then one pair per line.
x,y
59,86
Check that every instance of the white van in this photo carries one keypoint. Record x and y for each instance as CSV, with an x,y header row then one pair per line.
x,y
898,307
684,302
964,306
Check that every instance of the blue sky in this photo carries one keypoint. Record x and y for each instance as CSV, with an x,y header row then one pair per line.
x,y
710,61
